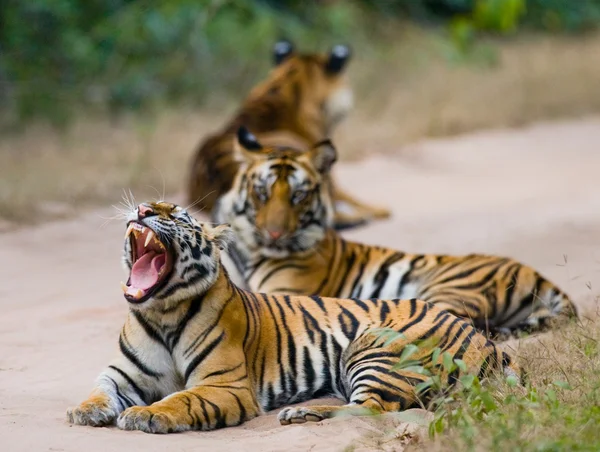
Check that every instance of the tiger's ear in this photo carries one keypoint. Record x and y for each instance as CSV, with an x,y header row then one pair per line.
x,y
246,145
247,140
323,155
282,50
338,58
221,235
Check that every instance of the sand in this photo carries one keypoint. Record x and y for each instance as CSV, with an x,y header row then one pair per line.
x,y
533,194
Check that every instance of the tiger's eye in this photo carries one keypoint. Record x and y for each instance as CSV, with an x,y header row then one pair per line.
x,y
261,193
298,196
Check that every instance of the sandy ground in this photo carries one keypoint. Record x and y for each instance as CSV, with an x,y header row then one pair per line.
x,y
533,194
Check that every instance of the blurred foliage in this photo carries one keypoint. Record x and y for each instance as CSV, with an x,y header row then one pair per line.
x,y
133,54
57,55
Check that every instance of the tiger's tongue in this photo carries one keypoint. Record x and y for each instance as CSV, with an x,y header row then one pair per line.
x,y
145,271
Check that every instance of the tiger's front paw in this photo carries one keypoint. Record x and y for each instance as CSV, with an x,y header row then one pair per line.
x,y
148,420
96,412
298,415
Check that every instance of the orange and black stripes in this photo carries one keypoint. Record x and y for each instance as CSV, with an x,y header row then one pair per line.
x,y
288,247
211,355
497,294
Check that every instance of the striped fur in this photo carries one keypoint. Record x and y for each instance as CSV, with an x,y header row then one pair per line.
x,y
500,295
201,353
302,100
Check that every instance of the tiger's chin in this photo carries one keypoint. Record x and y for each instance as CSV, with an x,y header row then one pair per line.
x,y
152,264
284,252
296,245
275,253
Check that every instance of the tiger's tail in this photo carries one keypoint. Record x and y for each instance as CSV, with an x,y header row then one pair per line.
x,y
546,307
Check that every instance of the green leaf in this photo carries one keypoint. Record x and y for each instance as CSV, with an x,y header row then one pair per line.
x,y
423,386
488,401
551,395
467,381
439,425
461,365
387,335
447,362
435,355
408,351
562,385
416,369
512,381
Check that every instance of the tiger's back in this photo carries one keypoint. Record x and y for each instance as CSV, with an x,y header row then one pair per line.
x,y
497,294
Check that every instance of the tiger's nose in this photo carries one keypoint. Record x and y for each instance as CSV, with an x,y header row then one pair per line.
x,y
145,211
275,234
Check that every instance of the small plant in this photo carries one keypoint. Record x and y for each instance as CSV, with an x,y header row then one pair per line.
x,y
558,409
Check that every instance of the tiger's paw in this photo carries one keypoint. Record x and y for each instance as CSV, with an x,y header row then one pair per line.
x,y
148,420
94,412
298,415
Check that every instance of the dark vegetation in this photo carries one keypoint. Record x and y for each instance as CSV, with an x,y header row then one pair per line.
x,y
57,56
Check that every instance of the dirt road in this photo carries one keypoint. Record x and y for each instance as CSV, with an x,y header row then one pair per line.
x,y
533,194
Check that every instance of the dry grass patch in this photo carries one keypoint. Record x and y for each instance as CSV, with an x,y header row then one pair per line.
x,y
525,80
50,173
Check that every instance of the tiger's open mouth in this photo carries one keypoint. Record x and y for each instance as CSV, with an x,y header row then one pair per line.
x,y
152,263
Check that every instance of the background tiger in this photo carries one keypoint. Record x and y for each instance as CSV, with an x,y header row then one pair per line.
x,y
304,97
196,352
280,211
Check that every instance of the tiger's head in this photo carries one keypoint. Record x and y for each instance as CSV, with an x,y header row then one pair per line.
x,y
315,85
280,202
169,255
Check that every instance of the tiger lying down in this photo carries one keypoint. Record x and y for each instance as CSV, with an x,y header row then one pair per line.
x,y
198,353
281,214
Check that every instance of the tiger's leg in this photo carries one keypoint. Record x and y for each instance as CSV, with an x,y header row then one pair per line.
x,y
120,386
377,390
127,381
374,385
199,408
300,415
371,383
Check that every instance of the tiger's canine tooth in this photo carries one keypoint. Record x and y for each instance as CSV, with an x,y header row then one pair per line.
x,y
129,229
135,293
149,237
124,287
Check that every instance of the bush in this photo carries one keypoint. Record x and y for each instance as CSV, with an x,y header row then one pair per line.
x,y
132,54
57,55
